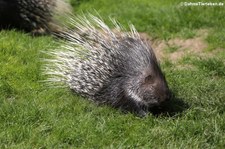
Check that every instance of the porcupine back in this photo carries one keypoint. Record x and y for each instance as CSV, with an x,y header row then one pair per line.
x,y
107,66
36,16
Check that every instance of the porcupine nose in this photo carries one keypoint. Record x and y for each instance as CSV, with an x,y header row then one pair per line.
x,y
166,96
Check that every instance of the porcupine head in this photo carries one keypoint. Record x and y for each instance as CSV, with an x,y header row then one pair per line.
x,y
109,67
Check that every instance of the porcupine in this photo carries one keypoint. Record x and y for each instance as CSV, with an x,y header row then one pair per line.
x,y
36,16
116,68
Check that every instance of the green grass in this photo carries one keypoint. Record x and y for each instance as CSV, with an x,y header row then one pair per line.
x,y
172,48
161,19
33,115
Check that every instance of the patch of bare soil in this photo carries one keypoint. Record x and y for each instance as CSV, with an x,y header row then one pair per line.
x,y
194,45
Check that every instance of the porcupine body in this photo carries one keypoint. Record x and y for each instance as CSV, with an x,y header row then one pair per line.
x,y
109,67
35,16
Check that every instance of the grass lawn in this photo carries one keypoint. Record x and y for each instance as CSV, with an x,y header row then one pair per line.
x,y
33,115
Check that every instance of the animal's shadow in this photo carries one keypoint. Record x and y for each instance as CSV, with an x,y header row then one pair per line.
x,y
171,108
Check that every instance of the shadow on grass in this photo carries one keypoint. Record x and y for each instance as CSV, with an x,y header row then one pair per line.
x,y
174,107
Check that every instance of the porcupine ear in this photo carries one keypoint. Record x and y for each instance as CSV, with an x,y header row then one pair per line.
x,y
148,79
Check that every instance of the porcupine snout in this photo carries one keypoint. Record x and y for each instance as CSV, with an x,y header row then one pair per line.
x,y
163,93
154,88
